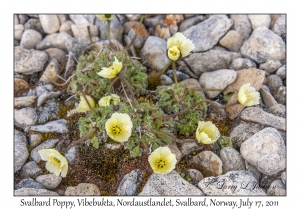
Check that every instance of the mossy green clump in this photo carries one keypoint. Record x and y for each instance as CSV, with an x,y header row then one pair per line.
x,y
224,141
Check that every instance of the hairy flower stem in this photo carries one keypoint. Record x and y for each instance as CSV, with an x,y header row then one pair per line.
x,y
166,67
90,36
174,73
108,31
136,33
174,138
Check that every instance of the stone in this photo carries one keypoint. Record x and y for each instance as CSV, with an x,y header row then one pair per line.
x,y
183,67
58,126
30,38
90,18
77,45
259,20
232,41
165,80
28,183
283,178
123,19
40,89
23,18
154,21
132,24
262,45
257,115
115,44
83,31
34,139
51,73
254,171
154,52
281,72
195,176
274,18
47,95
79,19
232,160
16,20
170,184
180,75
280,95
242,63
208,163
50,181
206,34
116,29
267,97
193,83
274,82
279,27
83,189
270,66
189,147
48,144
242,24
185,24
266,180
25,117
16,43
174,149
20,86
130,183
57,40
57,54
266,151
50,23
18,31
211,60
278,110
63,18
66,27
218,79
142,36
133,17
20,150
113,146
29,61
30,170
34,192
232,183
34,24
216,114
277,188
25,101
71,154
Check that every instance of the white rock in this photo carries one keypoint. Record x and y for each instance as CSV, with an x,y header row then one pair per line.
x,y
30,38
260,20
50,23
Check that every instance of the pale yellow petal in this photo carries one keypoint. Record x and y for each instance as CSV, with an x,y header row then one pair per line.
x,y
45,153
104,101
64,171
107,73
187,47
52,168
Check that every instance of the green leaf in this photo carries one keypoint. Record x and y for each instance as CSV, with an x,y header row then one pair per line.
x,y
136,151
95,142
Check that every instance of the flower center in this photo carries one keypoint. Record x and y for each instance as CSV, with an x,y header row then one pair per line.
x,y
116,130
54,161
173,53
248,95
160,163
107,15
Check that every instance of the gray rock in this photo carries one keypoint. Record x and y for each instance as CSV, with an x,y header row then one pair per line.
x,y
270,66
183,67
66,27
51,73
63,18
280,95
116,29
71,154
25,117
34,139
34,24
266,180
208,163
90,18
132,24
232,160
83,31
180,75
34,192
83,189
242,63
274,82
28,183
113,146
216,114
115,44
57,40
18,31
29,61
262,45
278,110
232,41
232,183
25,101
50,23
47,95
77,45
58,126
154,53
281,72
23,18
185,24
49,144
283,178
30,170
154,21
267,97
79,19
16,20
193,83
40,89
174,149
130,183
195,176
122,19
279,27
165,80
255,172
277,188
211,60
16,43
218,79
266,151
57,54
189,147
257,115
20,150
30,38
242,24
142,36
50,181
133,17
260,20
207,33
170,184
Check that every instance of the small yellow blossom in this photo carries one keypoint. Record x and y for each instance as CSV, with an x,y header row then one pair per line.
x,y
248,96
162,160
83,106
207,132
112,71
105,16
115,99
179,43
56,163
118,127
111,99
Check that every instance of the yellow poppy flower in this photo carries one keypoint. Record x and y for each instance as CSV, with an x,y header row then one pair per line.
x,y
111,99
112,71
118,127
162,160
207,132
178,42
83,106
56,162
105,16
115,99
248,96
